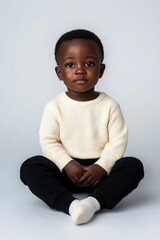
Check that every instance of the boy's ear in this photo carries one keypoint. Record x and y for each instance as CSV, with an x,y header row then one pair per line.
x,y
102,70
58,72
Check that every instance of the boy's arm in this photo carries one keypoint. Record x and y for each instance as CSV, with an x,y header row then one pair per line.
x,y
118,136
52,147
113,150
49,133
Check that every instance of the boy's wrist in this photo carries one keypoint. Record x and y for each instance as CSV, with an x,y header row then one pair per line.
x,y
67,165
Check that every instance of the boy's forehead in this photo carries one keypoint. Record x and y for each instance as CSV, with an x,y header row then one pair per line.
x,y
76,44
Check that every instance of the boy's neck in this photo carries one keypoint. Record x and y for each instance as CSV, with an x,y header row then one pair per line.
x,y
86,96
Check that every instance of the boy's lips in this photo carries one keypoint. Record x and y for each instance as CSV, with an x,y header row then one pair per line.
x,y
80,80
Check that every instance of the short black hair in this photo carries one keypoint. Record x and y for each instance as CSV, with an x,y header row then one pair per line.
x,y
79,34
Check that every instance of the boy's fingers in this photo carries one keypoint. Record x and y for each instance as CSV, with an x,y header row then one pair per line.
x,y
84,178
89,181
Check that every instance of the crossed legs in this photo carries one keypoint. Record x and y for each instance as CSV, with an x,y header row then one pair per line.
x,y
54,187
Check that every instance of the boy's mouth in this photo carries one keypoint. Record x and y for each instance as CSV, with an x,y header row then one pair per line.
x,y
80,80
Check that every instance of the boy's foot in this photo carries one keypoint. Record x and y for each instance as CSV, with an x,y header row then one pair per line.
x,y
83,210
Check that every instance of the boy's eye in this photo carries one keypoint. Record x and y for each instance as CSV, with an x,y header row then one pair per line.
x,y
69,65
89,64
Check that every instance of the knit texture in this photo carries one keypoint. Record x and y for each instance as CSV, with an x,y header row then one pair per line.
x,y
85,130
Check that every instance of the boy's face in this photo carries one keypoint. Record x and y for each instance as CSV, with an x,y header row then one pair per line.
x,y
79,66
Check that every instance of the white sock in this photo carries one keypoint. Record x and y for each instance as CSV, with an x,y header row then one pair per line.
x,y
84,210
73,205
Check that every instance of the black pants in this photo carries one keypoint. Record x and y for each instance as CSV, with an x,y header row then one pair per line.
x,y
46,181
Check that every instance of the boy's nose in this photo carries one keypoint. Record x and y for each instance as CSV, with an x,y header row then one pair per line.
x,y
80,69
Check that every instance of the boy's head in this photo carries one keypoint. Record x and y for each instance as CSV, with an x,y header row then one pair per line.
x,y
79,55
79,34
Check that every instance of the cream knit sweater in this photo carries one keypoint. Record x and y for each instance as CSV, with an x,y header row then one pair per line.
x,y
84,130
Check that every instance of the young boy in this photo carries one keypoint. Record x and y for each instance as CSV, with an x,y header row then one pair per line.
x,y
83,137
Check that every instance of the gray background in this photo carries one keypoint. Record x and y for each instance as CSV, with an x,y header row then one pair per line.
x,y
29,29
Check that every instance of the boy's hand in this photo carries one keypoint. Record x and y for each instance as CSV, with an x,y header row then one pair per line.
x,y
74,171
93,175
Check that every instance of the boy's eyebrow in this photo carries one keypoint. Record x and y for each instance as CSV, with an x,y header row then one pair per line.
x,y
90,56
66,58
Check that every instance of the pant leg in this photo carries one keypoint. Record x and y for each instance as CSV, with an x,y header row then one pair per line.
x,y
45,180
123,179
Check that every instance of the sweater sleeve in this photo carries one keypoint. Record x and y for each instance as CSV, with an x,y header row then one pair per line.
x,y
118,136
51,145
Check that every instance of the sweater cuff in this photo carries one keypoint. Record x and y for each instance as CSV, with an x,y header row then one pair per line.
x,y
104,163
62,163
